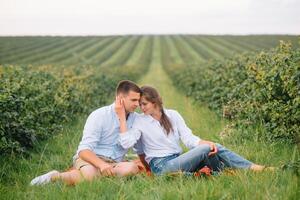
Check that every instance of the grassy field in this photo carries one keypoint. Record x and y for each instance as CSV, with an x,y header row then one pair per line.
x,y
57,152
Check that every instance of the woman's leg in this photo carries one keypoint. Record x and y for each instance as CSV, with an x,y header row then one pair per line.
x,y
214,163
189,161
231,159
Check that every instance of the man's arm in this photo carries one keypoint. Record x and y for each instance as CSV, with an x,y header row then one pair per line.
x,y
91,135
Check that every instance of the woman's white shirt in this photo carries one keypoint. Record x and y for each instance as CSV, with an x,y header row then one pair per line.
x,y
149,137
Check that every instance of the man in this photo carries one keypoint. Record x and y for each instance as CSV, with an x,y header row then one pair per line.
x,y
99,153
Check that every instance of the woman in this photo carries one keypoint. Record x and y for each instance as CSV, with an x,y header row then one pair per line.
x,y
157,134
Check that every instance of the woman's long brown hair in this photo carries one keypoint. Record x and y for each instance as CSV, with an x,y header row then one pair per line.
x,y
151,94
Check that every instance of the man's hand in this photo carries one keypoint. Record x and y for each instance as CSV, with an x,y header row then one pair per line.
x,y
213,147
119,108
89,156
106,169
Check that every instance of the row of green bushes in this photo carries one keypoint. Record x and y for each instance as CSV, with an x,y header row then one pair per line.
x,y
252,89
36,101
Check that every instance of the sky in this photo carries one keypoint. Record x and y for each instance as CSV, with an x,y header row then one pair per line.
x,y
119,17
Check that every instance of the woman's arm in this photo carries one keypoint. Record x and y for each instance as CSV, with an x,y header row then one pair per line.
x,y
213,146
121,113
185,133
189,139
128,138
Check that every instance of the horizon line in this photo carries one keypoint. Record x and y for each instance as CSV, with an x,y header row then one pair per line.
x,y
148,34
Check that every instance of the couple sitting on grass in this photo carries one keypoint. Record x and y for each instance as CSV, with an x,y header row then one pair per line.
x,y
155,135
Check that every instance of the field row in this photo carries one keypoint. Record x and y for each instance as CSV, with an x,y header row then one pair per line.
x,y
128,50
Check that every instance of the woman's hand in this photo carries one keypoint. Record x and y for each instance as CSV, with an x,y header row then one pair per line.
x,y
120,109
213,147
121,113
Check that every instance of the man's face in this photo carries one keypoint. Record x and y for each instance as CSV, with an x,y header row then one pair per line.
x,y
131,101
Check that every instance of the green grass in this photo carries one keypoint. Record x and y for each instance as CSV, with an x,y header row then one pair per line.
x,y
57,153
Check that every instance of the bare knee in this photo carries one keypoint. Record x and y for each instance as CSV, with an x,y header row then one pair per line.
x,y
71,177
89,172
126,168
133,168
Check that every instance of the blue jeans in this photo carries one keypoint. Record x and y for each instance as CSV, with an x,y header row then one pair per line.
x,y
197,158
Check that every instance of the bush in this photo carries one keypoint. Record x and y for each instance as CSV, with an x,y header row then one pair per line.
x,y
29,109
252,89
36,101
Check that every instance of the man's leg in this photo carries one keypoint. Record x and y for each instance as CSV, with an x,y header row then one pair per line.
x,y
70,177
89,172
82,171
74,176
125,169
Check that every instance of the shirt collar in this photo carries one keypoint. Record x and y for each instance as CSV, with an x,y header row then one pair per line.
x,y
150,118
115,114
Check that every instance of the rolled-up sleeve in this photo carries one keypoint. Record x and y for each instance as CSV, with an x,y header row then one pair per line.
x,y
91,132
129,138
186,135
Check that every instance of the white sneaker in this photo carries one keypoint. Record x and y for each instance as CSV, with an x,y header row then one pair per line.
x,y
43,179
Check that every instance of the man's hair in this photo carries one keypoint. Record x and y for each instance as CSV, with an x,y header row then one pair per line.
x,y
125,86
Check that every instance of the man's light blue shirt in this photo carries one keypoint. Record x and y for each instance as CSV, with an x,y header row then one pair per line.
x,y
101,133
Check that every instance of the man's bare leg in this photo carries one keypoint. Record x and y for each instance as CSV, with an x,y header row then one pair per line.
x,y
125,169
70,177
89,172
75,176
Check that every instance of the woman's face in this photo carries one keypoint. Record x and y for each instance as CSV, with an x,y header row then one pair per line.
x,y
147,107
